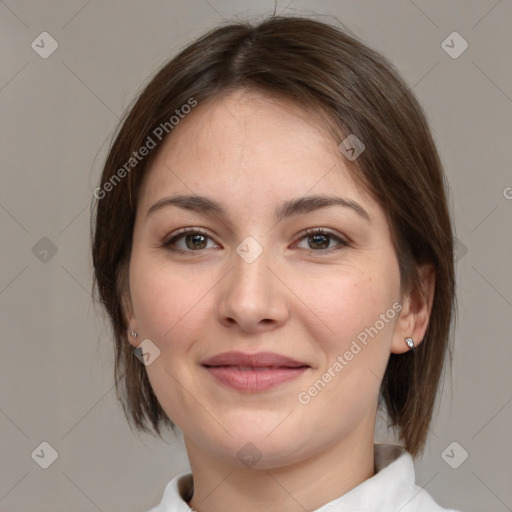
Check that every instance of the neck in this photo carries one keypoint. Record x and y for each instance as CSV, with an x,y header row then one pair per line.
x,y
304,485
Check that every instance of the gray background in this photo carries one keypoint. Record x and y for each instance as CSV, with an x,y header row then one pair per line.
x,y
57,115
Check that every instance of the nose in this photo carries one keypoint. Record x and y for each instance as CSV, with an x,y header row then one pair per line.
x,y
253,298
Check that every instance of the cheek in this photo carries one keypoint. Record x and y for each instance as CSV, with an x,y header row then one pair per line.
x,y
172,306
350,317
173,311
342,307
351,320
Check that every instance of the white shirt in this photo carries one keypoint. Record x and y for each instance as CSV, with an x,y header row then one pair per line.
x,y
391,489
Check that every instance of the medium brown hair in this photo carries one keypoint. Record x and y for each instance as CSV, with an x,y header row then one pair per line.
x,y
326,70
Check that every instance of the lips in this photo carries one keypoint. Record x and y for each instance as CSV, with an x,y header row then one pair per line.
x,y
253,372
260,360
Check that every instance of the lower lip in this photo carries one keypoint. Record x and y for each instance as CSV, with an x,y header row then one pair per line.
x,y
253,380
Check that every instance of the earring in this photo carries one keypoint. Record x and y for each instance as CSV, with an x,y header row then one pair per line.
x,y
410,342
133,333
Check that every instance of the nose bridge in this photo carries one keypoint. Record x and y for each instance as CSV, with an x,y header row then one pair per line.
x,y
251,276
252,296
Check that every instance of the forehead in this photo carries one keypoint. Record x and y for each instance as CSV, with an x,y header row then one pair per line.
x,y
247,144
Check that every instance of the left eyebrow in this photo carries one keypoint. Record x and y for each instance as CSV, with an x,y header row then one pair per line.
x,y
311,203
289,208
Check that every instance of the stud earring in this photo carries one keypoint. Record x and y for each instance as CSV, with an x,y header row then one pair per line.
x,y
410,342
133,333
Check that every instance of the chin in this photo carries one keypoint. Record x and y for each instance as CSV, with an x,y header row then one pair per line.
x,y
264,447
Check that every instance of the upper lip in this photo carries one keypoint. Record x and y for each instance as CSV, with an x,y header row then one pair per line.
x,y
258,360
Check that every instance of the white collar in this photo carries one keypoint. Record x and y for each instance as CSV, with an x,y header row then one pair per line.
x,y
392,488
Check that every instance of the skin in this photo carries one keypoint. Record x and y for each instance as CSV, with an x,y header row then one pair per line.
x,y
250,153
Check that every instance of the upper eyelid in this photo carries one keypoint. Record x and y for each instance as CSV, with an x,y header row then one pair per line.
x,y
326,231
184,231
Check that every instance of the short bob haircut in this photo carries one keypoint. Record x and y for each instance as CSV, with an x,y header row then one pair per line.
x,y
354,90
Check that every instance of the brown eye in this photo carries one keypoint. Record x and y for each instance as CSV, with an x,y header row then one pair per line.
x,y
318,240
189,240
196,241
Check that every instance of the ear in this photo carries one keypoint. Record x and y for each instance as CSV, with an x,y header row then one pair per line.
x,y
415,312
131,322
127,307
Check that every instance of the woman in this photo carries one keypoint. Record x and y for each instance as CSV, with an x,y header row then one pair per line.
x,y
274,249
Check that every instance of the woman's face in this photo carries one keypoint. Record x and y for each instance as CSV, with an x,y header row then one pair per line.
x,y
252,275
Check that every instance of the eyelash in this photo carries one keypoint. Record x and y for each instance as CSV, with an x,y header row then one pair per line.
x,y
168,244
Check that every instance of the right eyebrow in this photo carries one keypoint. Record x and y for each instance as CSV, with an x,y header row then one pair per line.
x,y
189,202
